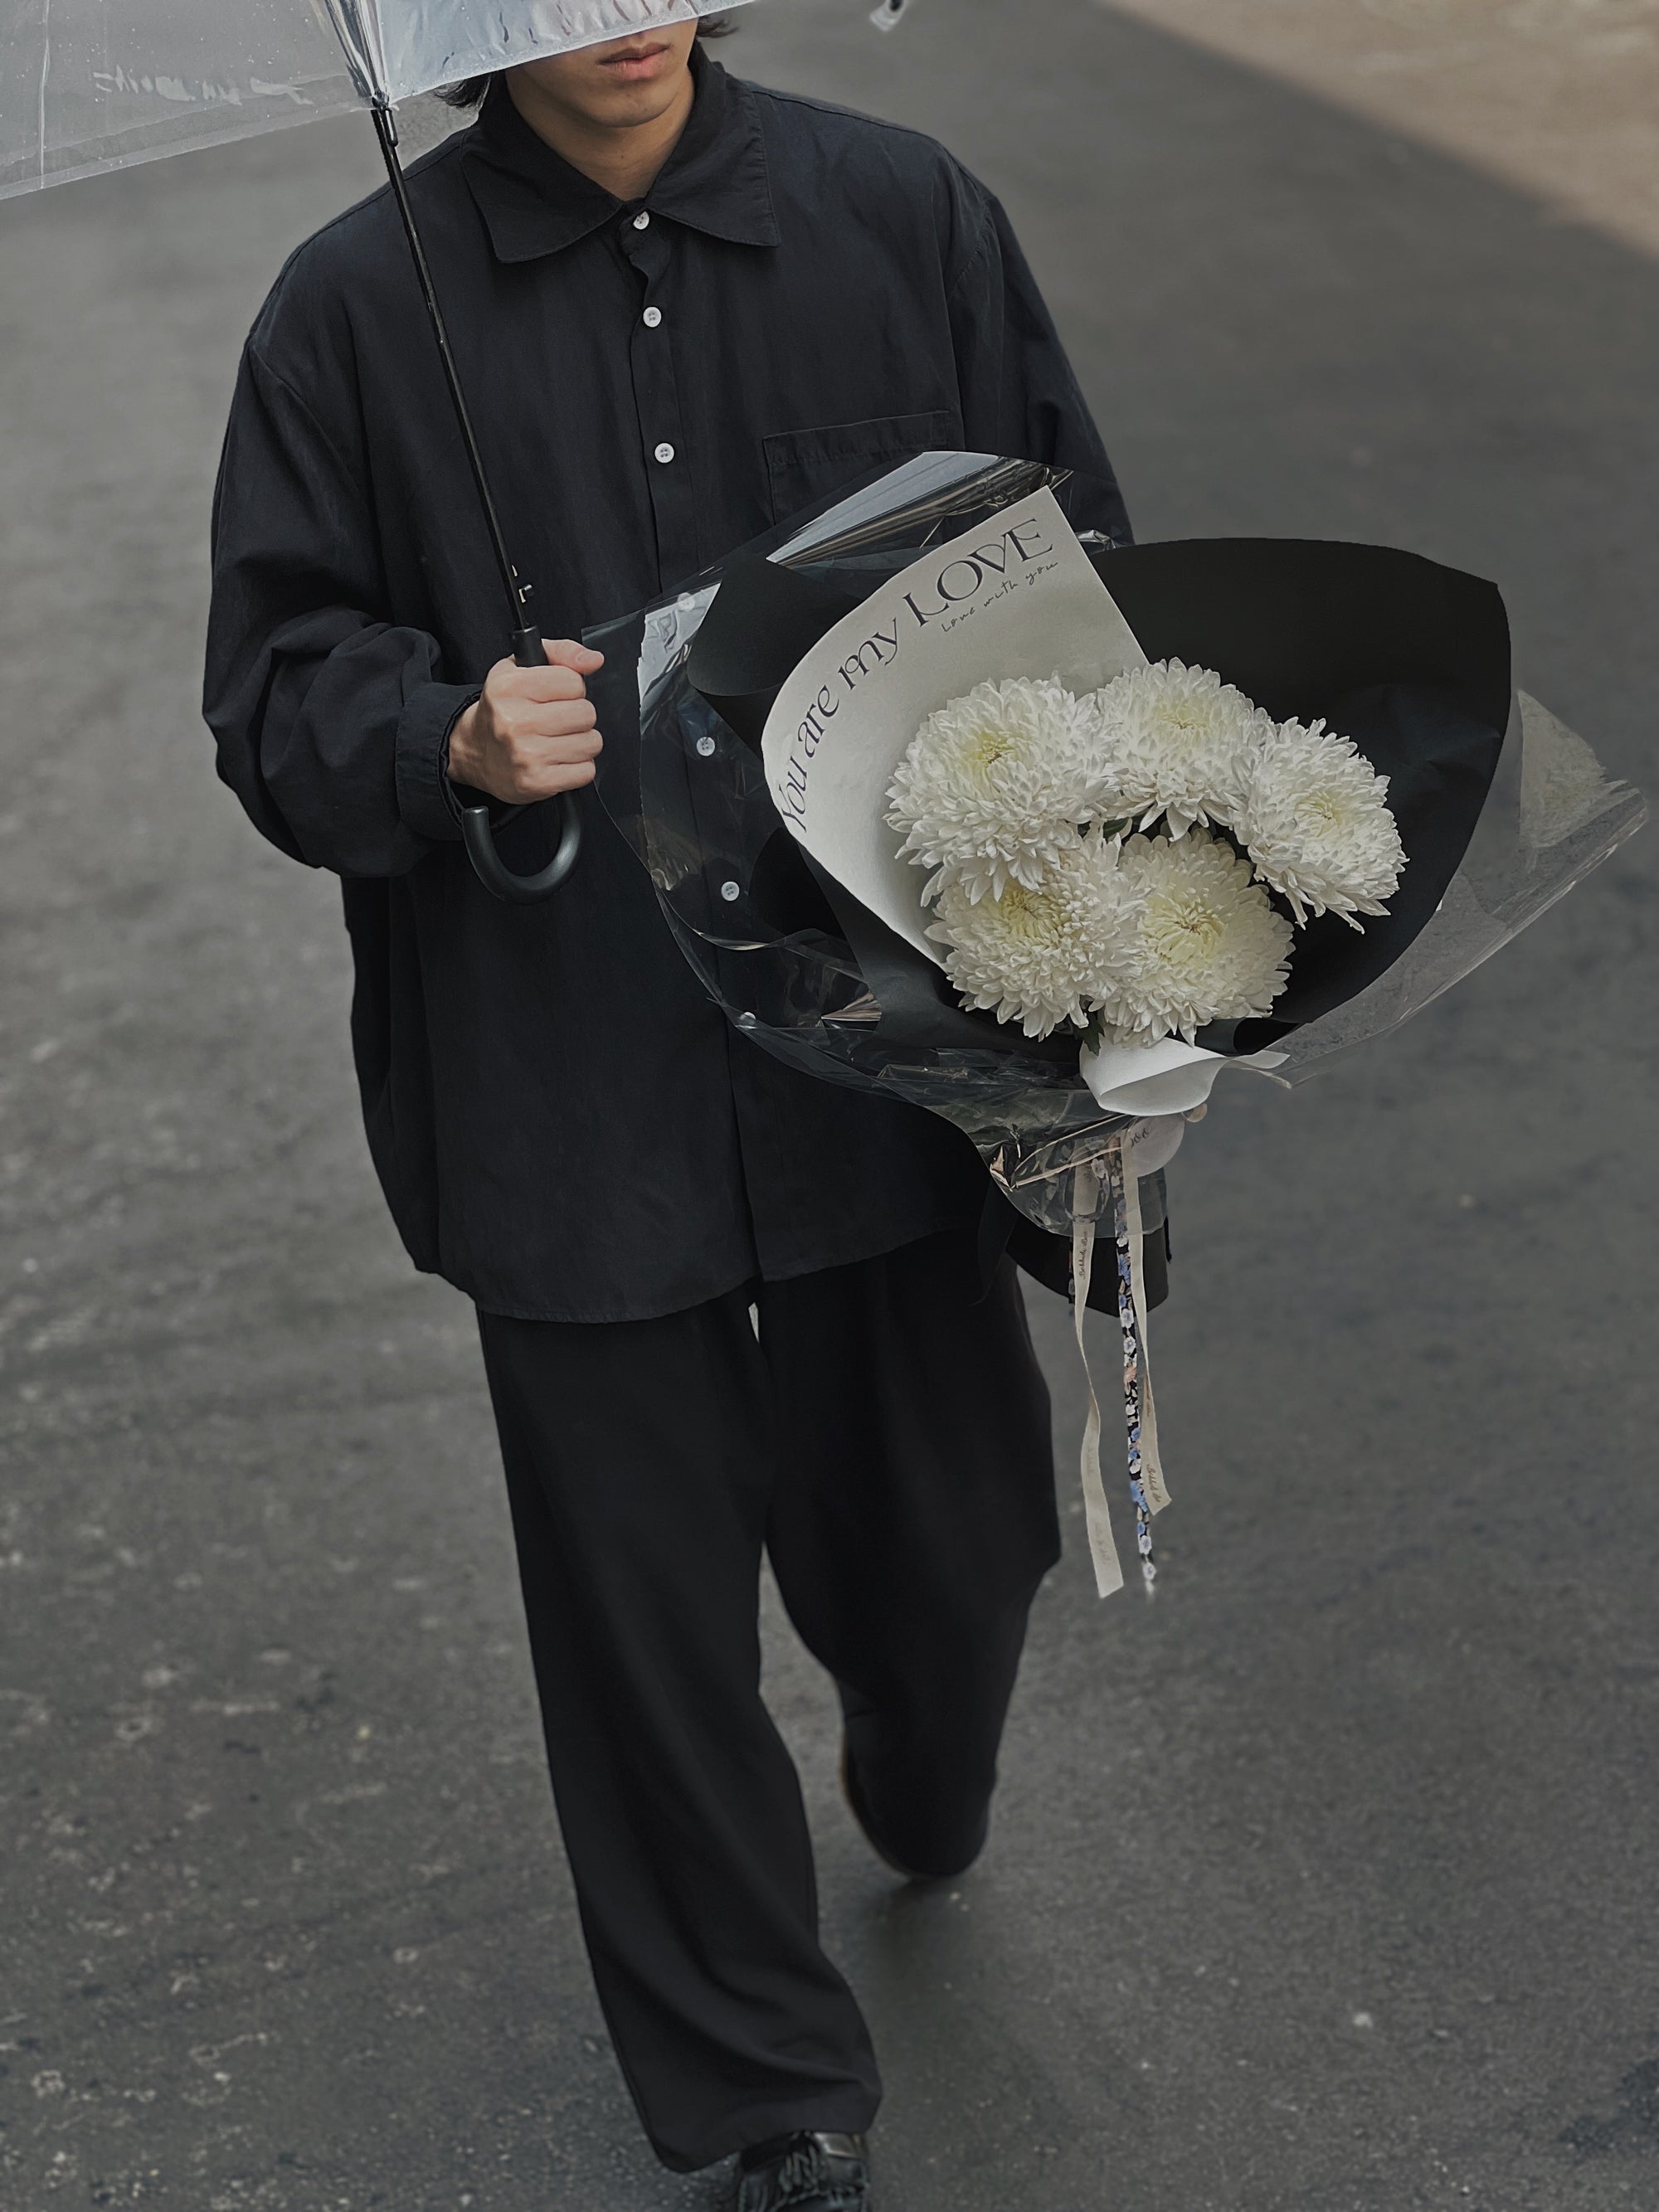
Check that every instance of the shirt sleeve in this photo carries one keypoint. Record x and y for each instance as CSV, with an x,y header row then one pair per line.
x,y
332,726
1020,396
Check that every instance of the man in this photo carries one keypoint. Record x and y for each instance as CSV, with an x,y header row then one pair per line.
x,y
682,307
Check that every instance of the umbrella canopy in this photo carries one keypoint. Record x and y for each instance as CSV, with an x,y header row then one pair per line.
x,y
88,85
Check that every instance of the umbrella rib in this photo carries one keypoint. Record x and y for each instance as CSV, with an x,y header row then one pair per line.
x,y
46,71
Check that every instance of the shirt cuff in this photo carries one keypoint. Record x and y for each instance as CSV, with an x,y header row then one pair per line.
x,y
426,804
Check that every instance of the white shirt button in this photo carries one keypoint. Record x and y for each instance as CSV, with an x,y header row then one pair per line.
x,y
653,318
664,452
706,747
731,893
642,221
746,1022
688,601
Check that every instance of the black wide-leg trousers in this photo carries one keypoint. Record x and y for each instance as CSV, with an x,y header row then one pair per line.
x,y
884,1436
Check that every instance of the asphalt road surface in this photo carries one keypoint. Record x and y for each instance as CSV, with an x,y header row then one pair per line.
x,y
1324,1885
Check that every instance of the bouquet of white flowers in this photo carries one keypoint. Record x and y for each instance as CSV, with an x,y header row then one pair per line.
x,y
947,801
1109,862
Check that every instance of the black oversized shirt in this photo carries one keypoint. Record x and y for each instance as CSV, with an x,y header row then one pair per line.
x,y
563,1124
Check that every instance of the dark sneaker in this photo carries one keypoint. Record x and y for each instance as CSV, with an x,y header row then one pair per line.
x,y
806,2173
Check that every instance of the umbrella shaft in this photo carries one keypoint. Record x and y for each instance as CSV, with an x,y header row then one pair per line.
x,y
385,130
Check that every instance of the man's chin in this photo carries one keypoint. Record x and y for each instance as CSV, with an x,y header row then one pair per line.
x,y
630,106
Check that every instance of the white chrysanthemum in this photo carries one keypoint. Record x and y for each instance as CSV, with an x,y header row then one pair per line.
x,y
995,787
1178,743
1316,821
1205,943
1038,955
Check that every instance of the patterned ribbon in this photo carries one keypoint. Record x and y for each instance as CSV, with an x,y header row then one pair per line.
x,y
1148,1490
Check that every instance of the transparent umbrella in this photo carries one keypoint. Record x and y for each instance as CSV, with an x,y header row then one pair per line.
x,y
88,85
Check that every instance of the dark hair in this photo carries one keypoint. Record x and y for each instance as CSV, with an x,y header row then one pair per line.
x,y
471,90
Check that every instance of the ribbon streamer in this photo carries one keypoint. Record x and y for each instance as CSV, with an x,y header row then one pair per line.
x,y
1086,1203
1148,1491
1147,1488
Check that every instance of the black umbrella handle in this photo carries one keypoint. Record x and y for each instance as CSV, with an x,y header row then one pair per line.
x,y
478,834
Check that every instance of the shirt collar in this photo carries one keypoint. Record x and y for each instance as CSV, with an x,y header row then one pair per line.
x,y
715,180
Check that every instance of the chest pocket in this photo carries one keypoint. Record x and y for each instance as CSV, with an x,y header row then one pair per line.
x,y
803,466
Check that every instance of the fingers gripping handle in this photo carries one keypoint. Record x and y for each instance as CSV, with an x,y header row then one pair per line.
x,y
477,834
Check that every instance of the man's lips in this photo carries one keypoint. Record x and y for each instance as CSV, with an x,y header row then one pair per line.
x,y
639,61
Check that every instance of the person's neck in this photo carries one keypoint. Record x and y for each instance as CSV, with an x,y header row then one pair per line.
x,y
626,159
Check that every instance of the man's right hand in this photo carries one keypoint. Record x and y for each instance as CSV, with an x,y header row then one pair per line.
x,y
533,733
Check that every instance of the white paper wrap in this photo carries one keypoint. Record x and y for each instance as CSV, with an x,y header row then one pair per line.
x,y
1008,600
